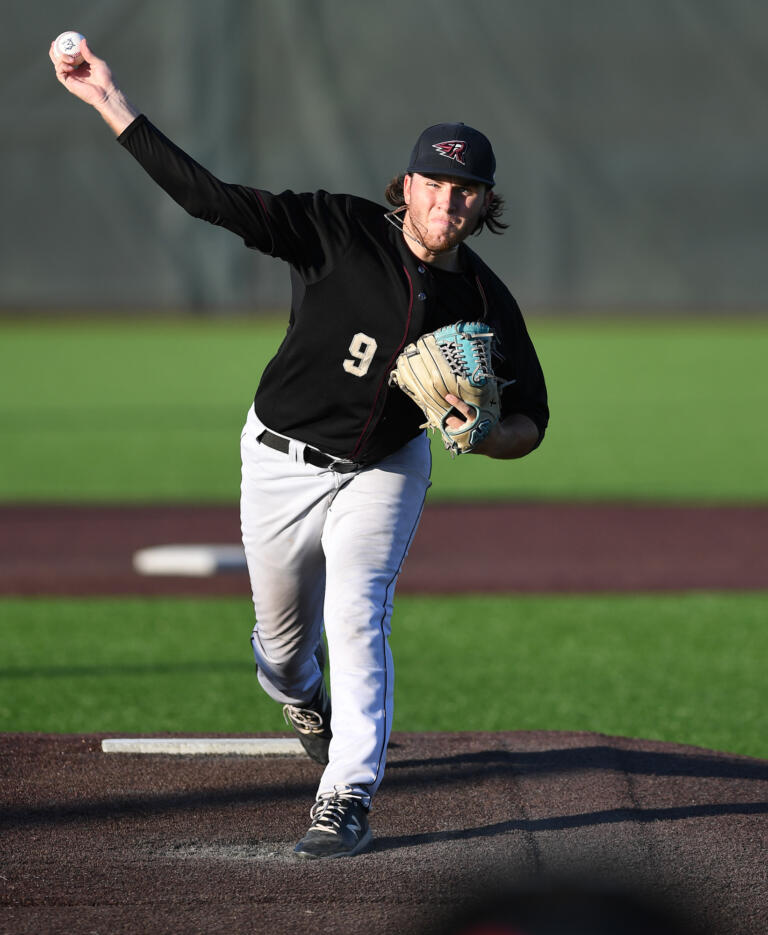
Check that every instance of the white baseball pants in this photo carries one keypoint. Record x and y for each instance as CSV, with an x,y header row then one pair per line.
x,y
324,552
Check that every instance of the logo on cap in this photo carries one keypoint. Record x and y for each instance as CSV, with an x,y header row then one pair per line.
x,y
452,149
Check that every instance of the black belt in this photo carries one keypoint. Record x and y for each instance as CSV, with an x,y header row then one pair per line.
x,y
311,455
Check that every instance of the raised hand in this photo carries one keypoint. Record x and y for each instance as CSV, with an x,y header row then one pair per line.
x,y
93,82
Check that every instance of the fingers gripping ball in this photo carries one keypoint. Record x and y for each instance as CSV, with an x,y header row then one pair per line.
x,y
68,43
452,360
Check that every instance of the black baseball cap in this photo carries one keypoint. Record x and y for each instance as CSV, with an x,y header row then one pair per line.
x,y
454,149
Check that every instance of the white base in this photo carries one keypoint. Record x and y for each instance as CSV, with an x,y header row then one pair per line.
x,y
194,561
206,746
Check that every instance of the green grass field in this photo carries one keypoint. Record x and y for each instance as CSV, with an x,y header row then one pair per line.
x,y
151,411
120,410
685,668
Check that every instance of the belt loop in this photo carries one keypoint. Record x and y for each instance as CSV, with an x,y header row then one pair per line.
x,y
296,451
255,422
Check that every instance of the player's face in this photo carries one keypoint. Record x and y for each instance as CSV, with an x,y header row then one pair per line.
x,y
442,210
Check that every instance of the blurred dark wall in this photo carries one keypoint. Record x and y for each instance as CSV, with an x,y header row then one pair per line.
x,y
631,141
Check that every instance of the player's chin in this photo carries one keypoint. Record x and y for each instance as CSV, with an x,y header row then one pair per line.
x,y
444,241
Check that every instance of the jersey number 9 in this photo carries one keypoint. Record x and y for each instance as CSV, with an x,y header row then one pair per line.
x,y
362,350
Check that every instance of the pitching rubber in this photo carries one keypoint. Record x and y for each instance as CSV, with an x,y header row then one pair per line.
x,y
205,746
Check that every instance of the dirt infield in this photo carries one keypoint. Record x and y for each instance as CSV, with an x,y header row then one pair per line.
x,y
74,550
121,843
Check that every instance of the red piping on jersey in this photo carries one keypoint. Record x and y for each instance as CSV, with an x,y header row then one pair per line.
x,y
390,364
482,296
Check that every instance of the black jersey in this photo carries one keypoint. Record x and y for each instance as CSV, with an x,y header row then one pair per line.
x,y
359,295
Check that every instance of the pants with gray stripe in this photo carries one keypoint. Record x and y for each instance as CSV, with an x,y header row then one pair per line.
x,y
324,552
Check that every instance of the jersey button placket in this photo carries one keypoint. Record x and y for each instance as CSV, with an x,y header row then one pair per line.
x,y
421,269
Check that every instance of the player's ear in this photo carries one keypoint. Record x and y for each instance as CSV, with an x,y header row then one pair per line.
x,y
407,188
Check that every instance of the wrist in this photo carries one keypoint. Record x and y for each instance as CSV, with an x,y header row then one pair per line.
x,y
116,110
513,437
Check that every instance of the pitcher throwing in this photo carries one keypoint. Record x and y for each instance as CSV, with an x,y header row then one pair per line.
x,y
335,464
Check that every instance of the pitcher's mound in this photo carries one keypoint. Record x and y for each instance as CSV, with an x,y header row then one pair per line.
x,y
161,843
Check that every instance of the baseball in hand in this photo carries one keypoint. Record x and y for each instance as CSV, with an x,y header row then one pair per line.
x,y
68,43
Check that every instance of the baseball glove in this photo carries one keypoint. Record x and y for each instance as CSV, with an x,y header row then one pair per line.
x,y
457,360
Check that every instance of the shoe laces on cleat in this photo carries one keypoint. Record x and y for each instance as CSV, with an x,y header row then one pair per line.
x,y
303,719
330,812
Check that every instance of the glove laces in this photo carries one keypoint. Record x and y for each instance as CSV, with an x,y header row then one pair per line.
x,y
470,357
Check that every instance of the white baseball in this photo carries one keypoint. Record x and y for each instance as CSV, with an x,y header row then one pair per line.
x,y
68,43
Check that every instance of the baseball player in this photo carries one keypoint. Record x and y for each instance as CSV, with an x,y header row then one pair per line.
x,y
335,466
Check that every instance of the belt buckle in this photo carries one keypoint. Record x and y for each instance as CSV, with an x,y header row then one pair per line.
x,y
346,465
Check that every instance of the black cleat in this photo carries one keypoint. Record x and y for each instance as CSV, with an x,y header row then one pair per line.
x,y
339,828
312,724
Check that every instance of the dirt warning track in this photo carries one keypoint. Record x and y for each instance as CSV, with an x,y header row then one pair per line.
x,y
528,547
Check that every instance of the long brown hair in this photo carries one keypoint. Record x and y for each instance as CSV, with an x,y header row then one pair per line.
x,y
490,218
